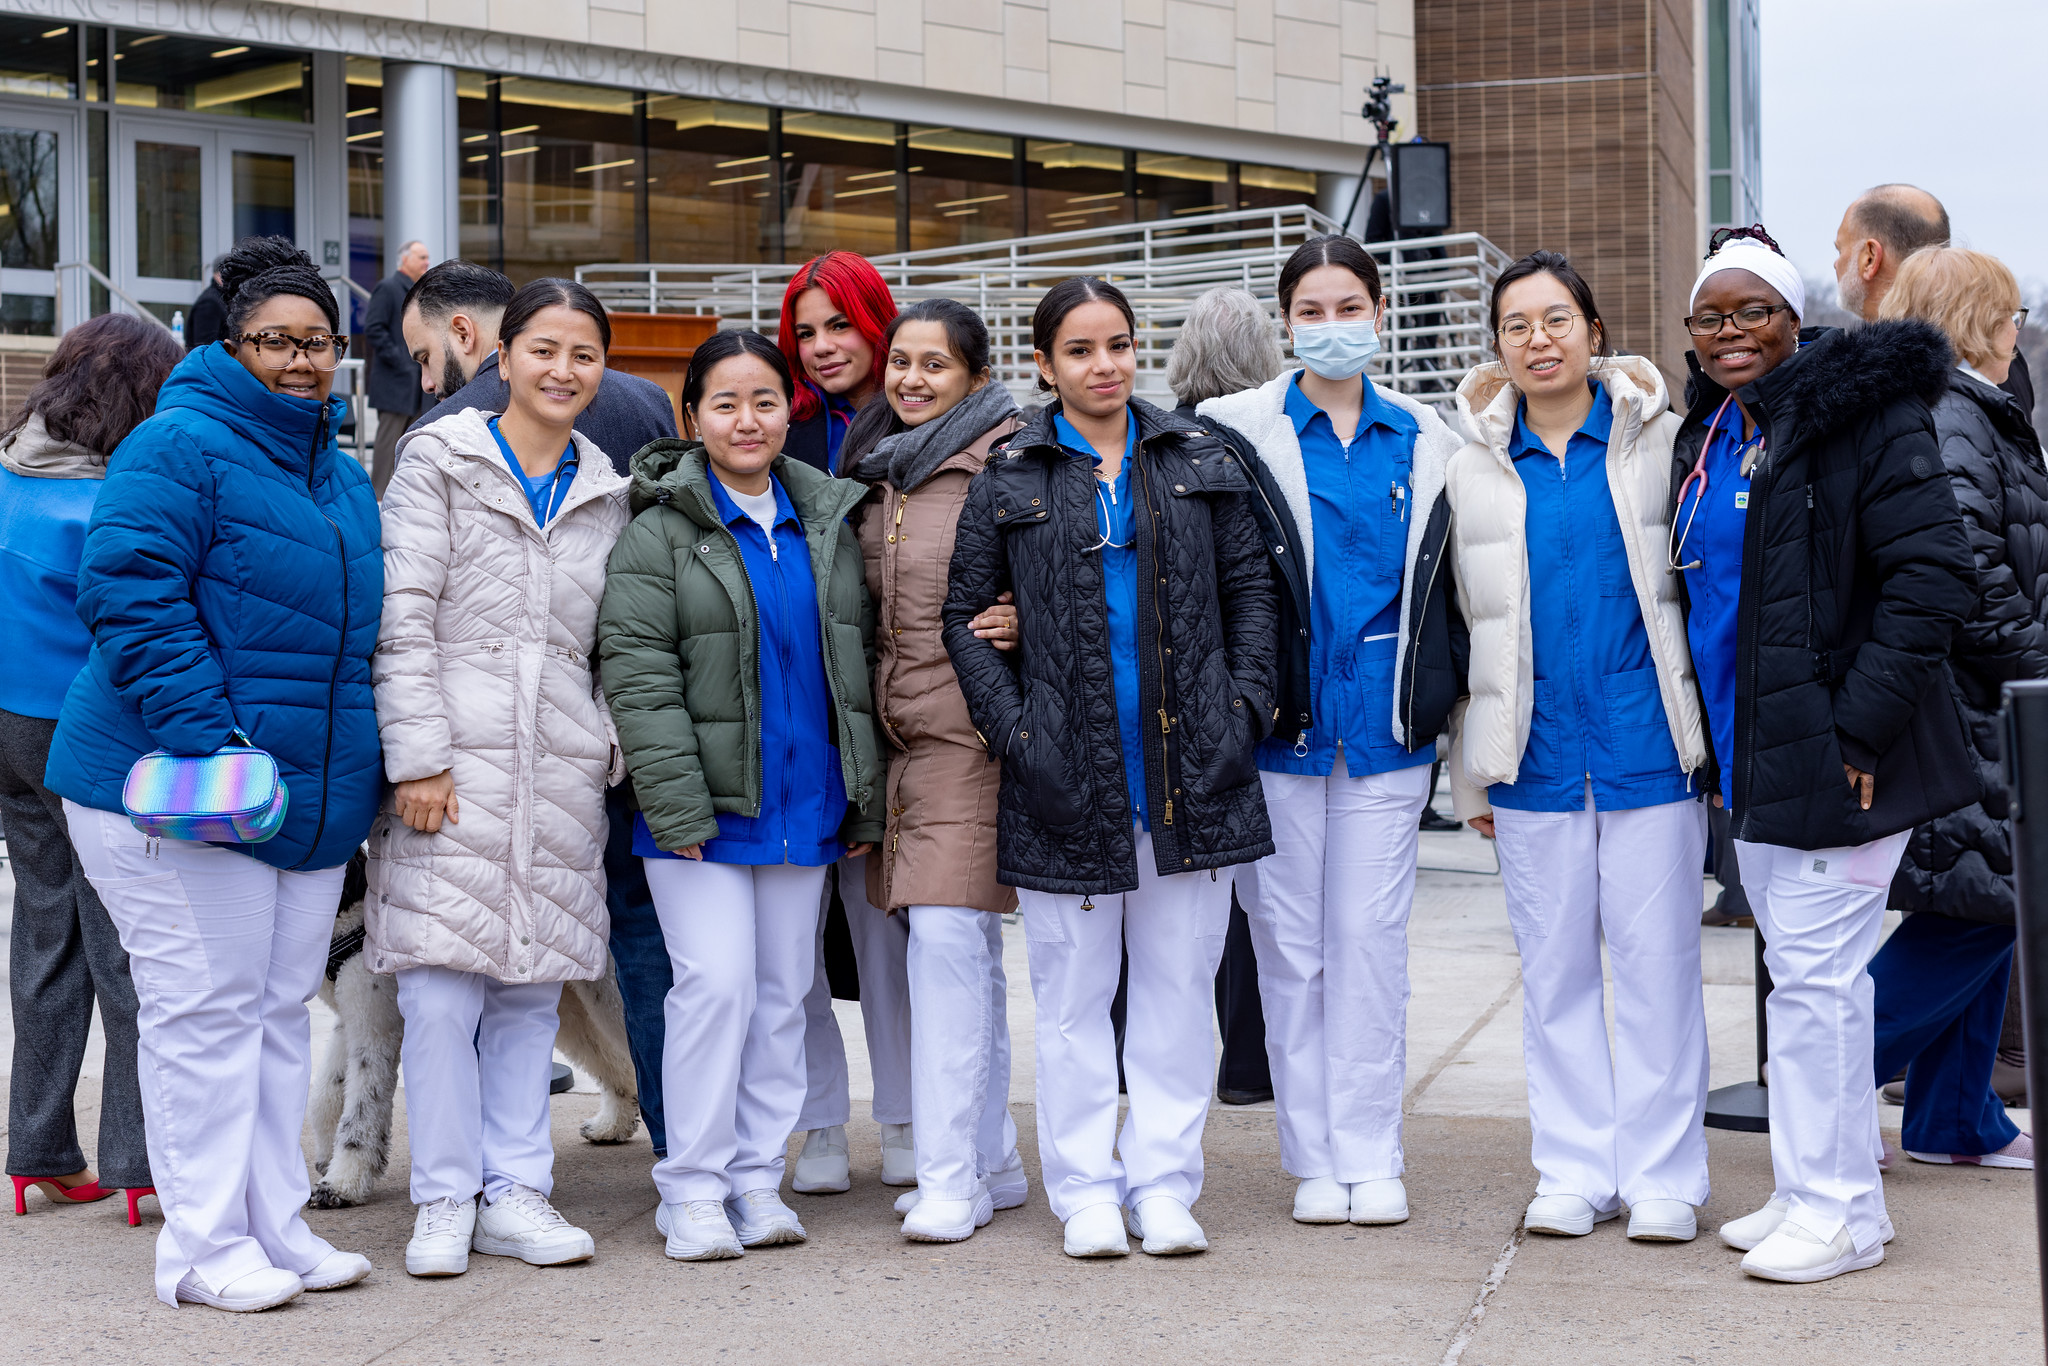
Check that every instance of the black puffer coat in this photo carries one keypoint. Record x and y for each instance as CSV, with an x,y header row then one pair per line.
x,y
1205,665
1961,864
1856,573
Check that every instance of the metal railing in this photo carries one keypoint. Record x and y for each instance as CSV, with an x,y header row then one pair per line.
x,y
1437,287
99,277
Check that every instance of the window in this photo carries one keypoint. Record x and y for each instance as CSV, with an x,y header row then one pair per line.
x,y
1273,187
962,188
28,199
365,178
709,190
839,185
1073,185
1179,187
38,57
211,76
565,153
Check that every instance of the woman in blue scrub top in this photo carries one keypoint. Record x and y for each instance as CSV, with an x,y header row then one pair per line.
x,y
1366,684
1576,749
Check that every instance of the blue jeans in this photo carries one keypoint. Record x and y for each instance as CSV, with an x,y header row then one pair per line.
x,y
642,958
1940,1006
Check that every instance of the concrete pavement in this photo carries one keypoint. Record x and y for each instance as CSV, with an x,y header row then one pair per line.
x,y
1454,1284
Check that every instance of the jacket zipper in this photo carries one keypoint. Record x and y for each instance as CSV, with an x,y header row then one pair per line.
x,y
340,644
1158,634
1301,738
1759,498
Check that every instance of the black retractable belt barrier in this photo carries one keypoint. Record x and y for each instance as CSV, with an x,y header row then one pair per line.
x,y
2026,778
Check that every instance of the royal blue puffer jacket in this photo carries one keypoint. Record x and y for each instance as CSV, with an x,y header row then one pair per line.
x,y
233,577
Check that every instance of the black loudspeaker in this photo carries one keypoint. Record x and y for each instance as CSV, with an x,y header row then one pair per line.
x,y
1422,188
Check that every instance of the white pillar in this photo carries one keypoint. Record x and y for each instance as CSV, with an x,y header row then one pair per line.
x,y
422,167
1333,197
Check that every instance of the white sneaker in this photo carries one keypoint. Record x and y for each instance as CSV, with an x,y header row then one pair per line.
x,y
521,1223
1745,1233
1097,1231
1568,1216
697,1231
264,1289
949,1221
1662,1221
761,1219
1009,1187
336,1270
1379,1202
1164,1227
1794,1254
899,1155
440,1238
1322,1200
821,1168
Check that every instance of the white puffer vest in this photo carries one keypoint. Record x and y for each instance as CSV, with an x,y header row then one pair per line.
x,y
484,666
1489,507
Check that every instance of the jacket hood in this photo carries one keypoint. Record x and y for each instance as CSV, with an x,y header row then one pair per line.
x,y
32,451
1489,401
2006,414
675,472
210,381
1840,374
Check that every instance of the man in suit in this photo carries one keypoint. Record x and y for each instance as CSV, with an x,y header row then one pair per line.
x,y
450,321
394,381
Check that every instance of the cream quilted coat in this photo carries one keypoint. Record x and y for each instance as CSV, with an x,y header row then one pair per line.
x,y
483,665
1490,728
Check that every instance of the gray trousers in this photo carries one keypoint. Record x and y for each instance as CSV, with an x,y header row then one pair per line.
x,y
65,954
384,462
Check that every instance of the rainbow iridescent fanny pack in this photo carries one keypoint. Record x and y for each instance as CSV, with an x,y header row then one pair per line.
x,y
231,796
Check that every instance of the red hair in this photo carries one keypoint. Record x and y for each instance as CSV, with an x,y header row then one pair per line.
x,y
856,289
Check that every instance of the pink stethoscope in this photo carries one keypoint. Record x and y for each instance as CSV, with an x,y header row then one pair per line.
x,y
1699,472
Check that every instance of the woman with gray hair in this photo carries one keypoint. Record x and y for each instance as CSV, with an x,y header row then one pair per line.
x,y
1227,345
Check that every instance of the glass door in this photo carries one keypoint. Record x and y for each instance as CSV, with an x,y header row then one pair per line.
x,y
193,192
38,222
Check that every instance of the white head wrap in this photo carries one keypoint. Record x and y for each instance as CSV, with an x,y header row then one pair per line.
x,y
1746,253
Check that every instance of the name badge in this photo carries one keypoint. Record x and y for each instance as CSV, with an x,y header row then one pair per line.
x,y
1742,499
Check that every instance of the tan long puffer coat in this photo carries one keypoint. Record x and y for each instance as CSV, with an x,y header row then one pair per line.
x,y
939,845
484,666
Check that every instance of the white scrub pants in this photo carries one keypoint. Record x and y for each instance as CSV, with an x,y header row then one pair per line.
x,y
959,1050
1821,912
741,942
225,952
1629,1125
1173,928
479,1059
880,944
1329,921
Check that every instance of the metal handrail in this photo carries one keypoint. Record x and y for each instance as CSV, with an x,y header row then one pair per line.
x,y
1437,288
353,287
112,288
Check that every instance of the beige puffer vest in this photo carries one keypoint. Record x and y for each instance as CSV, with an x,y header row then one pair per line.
x,y
484,666
1489,508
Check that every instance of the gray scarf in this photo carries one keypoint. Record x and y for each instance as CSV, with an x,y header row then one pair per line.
x,y
910,457
34,452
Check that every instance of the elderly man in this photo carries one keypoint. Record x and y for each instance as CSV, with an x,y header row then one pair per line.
x,y
1881,229
393,384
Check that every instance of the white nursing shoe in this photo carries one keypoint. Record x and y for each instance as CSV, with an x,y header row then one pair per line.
x,y
899,1156
1662,1221
1097,1231
441,1231
697,1231
1379,1202
336,1270
1751,1229
821,1168
263,1289
1008,1187
1567,1216
1322,1200
761,1219
949,1221
1165,1228
1794,1254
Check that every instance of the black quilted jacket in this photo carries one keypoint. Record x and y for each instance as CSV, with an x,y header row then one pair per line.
x,y
1961,864
1855,576
1048,709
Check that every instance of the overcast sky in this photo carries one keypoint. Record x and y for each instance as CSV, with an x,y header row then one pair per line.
x,y
1950,95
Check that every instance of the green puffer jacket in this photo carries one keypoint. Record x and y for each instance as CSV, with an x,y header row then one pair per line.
x,y
679,641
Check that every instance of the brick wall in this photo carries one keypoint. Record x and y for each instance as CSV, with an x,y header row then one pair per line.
x,y
1571,129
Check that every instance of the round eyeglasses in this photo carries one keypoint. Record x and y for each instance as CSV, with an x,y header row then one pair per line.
x,y
277,351
1557,325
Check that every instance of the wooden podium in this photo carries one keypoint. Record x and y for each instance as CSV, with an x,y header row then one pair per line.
x,y
658,346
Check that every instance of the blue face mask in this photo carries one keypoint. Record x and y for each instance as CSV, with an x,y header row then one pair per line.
x,y
1336,350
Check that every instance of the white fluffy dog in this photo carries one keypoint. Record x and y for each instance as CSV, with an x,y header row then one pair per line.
x,y
350,1111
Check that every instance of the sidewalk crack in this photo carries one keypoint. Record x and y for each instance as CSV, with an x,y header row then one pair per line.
x,y
1454,1353
1450,1054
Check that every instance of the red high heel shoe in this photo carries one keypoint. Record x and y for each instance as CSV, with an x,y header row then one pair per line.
x,y
136,1193
57,1191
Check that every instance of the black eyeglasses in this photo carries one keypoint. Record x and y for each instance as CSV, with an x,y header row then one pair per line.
x,y
277,351
2019,319
1749,318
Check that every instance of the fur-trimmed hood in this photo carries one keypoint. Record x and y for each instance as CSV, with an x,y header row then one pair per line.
x,y
1838,376
1490,403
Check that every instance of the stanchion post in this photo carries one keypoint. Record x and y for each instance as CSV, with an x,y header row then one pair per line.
x,y
2026,779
